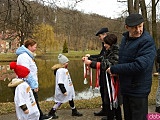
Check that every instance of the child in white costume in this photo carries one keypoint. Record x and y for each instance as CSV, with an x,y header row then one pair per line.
x,y
25,104
64,90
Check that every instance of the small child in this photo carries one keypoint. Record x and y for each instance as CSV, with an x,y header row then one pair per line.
x,y
64,89
25,104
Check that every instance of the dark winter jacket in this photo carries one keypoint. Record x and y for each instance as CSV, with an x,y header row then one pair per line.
x,y
136,58
110,57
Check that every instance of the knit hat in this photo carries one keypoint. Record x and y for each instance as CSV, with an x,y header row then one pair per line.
x,y
110,39
62,59
101,31
20,70
134,19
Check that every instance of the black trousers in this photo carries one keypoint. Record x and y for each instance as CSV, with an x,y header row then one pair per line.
x,y
104,97
36,98
104,91
106,101
135,108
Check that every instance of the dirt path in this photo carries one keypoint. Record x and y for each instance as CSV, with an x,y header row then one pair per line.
x,y
65,114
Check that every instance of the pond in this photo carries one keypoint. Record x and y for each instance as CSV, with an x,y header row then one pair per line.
x,y
47,80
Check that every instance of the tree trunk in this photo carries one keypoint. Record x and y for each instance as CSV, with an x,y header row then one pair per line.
x,y
136,6
144,13
133,8
130,6
154,28
154,25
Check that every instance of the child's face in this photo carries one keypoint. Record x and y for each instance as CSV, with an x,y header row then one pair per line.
x,y
65,65
106,46
26,76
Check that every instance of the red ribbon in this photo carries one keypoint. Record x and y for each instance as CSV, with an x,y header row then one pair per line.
x,y
116,87
97,74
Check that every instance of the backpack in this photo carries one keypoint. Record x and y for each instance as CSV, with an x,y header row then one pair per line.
x,y
158,55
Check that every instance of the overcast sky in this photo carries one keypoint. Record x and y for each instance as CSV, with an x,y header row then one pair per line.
x,y
107,8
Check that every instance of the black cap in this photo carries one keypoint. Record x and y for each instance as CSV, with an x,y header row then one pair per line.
x,y
102,30
134,19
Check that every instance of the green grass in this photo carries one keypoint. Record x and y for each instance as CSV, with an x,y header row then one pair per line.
x,y
9,107
79,52
73,53
7,57
70,55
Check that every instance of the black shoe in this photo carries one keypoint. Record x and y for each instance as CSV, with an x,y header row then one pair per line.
x,y
47,117
157,109
101,113
52,113
54,117
76,113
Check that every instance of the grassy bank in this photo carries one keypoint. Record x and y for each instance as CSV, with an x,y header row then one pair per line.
x,y
8,107
7,57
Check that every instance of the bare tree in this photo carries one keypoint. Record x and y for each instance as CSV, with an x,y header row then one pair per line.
x,y
154,21
17,16
133,6
144,13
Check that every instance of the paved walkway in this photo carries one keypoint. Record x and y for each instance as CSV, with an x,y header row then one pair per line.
x,y
65,114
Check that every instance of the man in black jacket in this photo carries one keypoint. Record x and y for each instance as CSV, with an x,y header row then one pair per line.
x,y
101,34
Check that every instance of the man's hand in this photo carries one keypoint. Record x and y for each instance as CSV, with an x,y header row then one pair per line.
x,y
84,58
87,55
109,71
87,62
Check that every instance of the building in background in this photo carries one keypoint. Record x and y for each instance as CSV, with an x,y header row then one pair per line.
x,y
9,41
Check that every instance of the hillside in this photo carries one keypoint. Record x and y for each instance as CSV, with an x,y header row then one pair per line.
x,y
77,28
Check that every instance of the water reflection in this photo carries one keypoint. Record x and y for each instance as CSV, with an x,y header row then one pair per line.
x,y
47,80
86,94
6,73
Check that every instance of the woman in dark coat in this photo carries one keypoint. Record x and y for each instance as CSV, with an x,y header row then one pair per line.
x,y
108,59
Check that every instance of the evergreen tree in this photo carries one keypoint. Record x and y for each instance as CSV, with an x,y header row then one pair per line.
x,y
65,47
